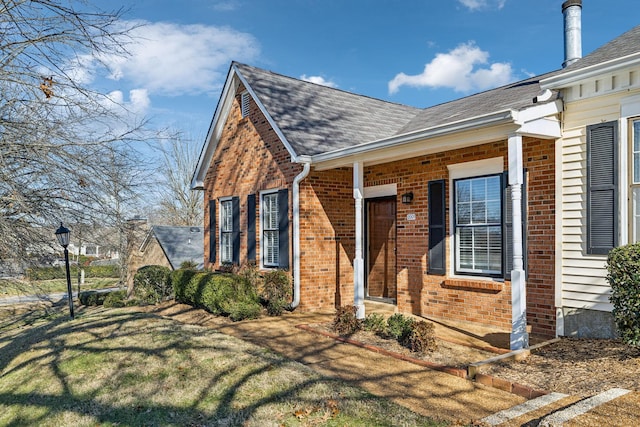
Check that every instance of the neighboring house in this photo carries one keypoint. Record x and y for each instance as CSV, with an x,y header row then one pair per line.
x,y
168,246
448,212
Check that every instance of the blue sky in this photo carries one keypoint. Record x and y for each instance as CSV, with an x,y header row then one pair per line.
x,y
414,52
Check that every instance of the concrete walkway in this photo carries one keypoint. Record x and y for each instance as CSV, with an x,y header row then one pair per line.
x,y
435,394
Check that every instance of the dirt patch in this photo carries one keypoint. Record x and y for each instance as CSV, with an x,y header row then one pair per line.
x,y
582,367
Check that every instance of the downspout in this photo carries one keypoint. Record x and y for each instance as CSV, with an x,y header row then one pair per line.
x,y
296,234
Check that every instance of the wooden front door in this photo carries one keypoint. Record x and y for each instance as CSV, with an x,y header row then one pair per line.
x,y
381,248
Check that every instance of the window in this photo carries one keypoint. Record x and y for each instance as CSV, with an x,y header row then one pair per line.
x,y
270,229
226,231
478,225
635,180
274,228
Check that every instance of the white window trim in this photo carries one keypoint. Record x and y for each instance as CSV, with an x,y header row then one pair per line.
x,y
380,191
262,228
629,109
222,200
477,168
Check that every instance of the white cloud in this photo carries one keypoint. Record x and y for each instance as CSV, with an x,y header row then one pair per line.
x,y
482,4
138,102
318,80
171,59
459,70
226,6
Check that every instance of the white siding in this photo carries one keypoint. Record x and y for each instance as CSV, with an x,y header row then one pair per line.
x,y
583,277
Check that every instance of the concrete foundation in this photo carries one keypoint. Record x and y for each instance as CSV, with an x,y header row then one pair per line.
x,y
583,323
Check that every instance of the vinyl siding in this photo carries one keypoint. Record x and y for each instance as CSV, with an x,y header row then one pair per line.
x,y
583,276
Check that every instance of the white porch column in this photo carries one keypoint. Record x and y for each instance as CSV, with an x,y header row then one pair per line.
x,y
519,335
358,262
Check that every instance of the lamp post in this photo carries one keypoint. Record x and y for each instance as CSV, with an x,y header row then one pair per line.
x,y
63,234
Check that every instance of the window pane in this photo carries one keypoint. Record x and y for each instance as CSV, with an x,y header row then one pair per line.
x,y
478,213
636,136
463,213
494,212
270,233
636,168
463,191
226,247
478,189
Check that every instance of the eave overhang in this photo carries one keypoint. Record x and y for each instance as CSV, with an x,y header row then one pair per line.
x,y
539,121
571,78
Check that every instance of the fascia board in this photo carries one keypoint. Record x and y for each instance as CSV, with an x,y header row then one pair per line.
x,y
435,144
501,117
572,77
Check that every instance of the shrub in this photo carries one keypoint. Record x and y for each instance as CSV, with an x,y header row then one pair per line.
x,y
91,297
422,337
375,322
151,284
179,280
345,321
623,267
241,310
116,299
399,327
188,265
276,291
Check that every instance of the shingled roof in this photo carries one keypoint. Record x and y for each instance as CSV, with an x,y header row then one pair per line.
x,y
316,119
180,244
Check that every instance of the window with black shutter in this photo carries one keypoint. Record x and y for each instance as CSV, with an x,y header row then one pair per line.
x,y
602,188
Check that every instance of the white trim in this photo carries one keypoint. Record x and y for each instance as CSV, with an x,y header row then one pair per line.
x,y
380,191
221,201
629,108
569,78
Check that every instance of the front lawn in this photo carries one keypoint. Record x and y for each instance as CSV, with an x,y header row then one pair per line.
x,y
123,367
12,287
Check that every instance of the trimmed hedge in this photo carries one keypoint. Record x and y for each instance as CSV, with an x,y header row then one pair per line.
x,y
623,267
91,271
219,293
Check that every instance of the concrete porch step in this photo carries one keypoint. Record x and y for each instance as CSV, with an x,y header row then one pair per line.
x,y
554,409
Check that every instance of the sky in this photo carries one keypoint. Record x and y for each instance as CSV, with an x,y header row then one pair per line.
x,y
413,52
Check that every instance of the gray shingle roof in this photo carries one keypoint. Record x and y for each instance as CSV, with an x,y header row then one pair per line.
x,y
514,96
627,44
317,119
181,244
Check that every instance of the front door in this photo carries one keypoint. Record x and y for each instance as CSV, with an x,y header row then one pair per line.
x,y
381,248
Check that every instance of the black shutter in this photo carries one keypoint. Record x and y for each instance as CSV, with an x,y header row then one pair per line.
x,y
507,225
212,231
283,227
235,232
437,213
602,183
251,227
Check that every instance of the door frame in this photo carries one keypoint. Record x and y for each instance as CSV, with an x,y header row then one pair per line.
x,y
367,241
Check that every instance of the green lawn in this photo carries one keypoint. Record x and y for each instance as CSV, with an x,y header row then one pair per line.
x,y
121,367
43,287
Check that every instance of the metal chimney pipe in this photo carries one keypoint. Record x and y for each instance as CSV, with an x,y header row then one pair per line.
x,y
572,11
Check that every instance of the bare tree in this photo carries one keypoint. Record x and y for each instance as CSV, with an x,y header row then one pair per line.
x,y
57,136
178,204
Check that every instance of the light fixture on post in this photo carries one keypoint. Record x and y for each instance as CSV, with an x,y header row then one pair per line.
x,y
407,198
63,234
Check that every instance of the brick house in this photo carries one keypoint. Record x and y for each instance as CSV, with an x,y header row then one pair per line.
x,y
448,212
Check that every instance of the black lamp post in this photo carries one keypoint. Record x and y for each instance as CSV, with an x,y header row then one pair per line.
x,y
63,234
